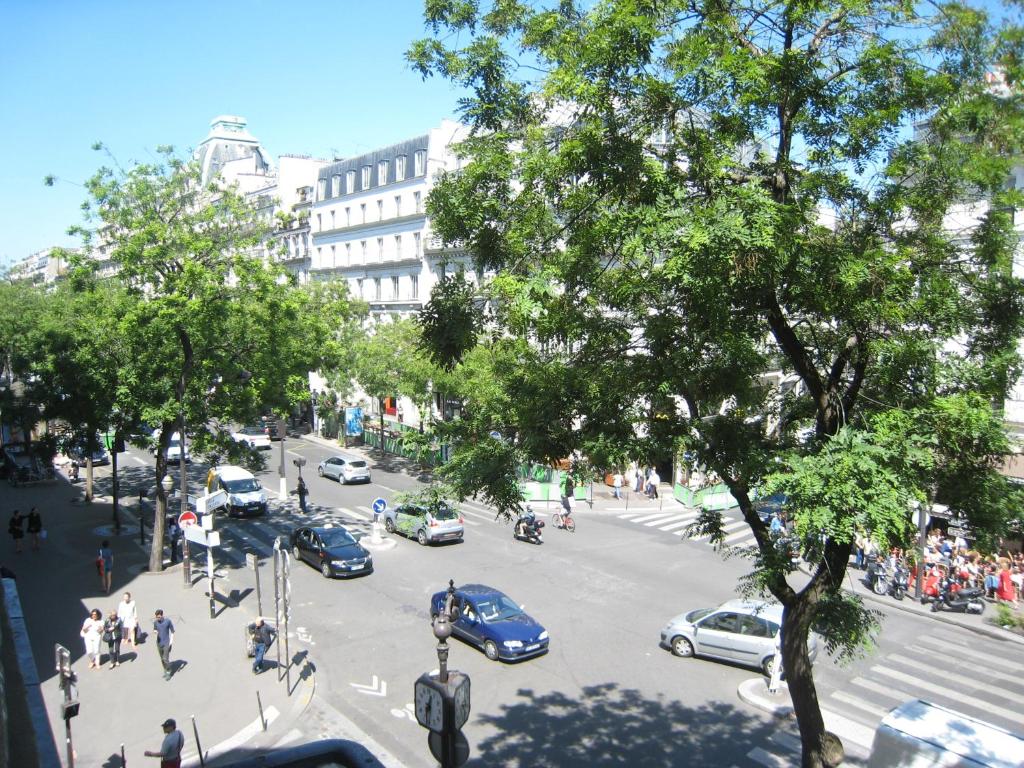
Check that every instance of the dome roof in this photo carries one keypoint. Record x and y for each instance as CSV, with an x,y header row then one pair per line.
x,y
229,140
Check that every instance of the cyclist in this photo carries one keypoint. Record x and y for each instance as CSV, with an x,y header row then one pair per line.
x,y
568,500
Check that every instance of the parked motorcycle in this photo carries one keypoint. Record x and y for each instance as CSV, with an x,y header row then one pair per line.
x,y
527,528
900,582
953,597
877,578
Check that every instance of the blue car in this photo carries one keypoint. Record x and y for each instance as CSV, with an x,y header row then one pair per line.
x,y
492,621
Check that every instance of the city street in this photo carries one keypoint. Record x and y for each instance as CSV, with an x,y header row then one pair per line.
x,y
606,693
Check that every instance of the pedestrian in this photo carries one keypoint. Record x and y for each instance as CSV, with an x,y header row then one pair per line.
x,y
92,631
262,636
303,492
170,749
164,629
105,564
174,537
652,484
777,526
35,527
129,616
15,529
639,478
617,480
1006,592
113,629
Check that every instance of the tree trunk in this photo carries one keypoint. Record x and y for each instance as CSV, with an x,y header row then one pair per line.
x,y
88,475
156,551
796,623
115,488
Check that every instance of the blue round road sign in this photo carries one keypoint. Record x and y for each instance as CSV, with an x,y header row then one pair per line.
x,y
379,505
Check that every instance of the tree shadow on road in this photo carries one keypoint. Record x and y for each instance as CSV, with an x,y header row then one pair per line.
x,y
612,726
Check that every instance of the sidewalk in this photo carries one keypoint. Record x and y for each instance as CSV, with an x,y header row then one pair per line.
x,y
212,683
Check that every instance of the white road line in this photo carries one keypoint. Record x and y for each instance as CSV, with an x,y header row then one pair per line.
x,y
143,462
882,690
739,536
250,731
659,520
735,525
674,526
850,731
943,646
645,518
288,738
770,759
980,669
969,683
866,706
949,693
786,740
353,513
467,513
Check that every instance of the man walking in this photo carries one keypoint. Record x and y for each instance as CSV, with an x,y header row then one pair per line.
x,y
262,636
170,749
164,629
302,491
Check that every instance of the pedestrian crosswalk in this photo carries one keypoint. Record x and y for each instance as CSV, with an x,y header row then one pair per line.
x,y
970,675
737,532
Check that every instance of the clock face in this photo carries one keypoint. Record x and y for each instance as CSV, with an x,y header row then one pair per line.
x,y
429,707
462,702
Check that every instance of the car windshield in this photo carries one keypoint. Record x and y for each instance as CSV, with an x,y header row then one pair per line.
x,y
356,463
245,485
251,430
699,614
336,538
174,444
498,609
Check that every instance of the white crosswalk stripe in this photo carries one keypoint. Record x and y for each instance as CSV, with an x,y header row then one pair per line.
x,y
659,520
941,645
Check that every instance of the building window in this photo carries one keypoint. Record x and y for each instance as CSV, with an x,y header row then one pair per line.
x,y
336,185
362,211
332,218
362,244
334,257
380,210
398,246
366,176
394,288
398,206
400,168
348,216
380,249
350,181
319,222
376,289
319,257
382,172
414,286
359,285
417,198
348,254
419,162
416,244
321,189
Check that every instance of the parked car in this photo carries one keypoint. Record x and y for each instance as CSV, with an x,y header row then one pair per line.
x,y
333,550
489,619
245,494
254,436
173,448
425,525
740,631
345,469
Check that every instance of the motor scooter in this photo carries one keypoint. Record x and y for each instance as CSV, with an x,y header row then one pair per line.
x,y
527,528
900,582
877,577
953,597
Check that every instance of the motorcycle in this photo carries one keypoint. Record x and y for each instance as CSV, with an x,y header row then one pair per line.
x,y
953,597
527,528
877,578
900,582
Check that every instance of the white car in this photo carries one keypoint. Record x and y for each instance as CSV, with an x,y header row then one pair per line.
x,y
253,436
173,448
345,469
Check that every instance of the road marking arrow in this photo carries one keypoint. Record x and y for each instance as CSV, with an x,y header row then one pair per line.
x,y
377,687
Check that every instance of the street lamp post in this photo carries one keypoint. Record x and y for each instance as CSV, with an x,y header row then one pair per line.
x,y
186,562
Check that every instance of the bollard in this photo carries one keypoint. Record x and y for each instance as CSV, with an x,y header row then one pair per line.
x,y
199,747
124,763
259,703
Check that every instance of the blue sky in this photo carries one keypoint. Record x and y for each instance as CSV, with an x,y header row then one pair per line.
x,y
317,78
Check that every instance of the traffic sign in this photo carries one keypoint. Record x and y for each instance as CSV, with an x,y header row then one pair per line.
x,y
187,518
379,505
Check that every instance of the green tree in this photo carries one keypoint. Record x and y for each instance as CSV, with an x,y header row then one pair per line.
x,y
713,226
215,332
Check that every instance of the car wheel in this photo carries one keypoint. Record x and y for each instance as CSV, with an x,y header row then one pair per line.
x,y
389,525
342,480
682,647
296,554
768,665
491,650
320,471
421,537
325,569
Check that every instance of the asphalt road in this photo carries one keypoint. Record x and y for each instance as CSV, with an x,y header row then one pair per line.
x,y
605,694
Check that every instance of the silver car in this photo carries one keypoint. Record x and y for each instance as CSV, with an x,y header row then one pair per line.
x,y
345,469
740,631
425,525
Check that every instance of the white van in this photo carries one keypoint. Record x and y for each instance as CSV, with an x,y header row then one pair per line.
x,y
918,734
245,494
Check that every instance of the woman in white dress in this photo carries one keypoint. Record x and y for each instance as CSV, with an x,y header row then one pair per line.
x,y
129,617
92,633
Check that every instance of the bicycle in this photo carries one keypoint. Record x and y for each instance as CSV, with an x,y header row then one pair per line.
x,y
564,521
